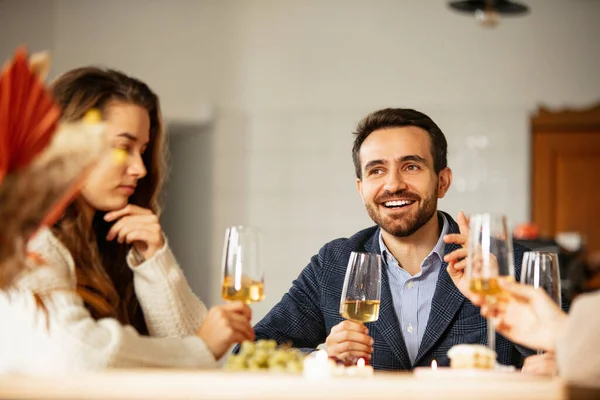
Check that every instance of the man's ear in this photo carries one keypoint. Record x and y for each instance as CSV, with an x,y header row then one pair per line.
x,y
359,189
444,181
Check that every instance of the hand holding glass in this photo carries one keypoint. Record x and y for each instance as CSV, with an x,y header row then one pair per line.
x,y
489,258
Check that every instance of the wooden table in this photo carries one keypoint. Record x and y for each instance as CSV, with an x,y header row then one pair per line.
x,y
177,384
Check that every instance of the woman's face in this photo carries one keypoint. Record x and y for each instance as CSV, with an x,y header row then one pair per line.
x,y
114,179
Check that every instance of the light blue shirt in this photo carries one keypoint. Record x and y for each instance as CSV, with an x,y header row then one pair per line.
x,y
412,295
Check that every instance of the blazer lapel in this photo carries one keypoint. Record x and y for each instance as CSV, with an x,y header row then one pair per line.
x,y
387,324
446,302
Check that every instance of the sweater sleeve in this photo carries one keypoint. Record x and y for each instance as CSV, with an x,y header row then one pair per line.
x,y
77,340
577,348
91,344
170,307
60,335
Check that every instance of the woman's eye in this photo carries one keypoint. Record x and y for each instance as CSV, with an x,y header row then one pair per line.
x,y
123,146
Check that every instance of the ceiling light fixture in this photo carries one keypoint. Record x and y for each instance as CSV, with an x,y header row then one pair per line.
x,y
488,12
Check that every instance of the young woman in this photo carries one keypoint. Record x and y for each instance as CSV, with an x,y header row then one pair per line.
x,y
112,294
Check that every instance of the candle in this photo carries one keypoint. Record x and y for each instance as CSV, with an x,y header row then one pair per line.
x,y
434,365
360,369
317,365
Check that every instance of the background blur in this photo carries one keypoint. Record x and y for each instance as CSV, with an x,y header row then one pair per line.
x,y
262,96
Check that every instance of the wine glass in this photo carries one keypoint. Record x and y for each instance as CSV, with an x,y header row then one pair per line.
x,y
490,258
243,273
362,288
541,270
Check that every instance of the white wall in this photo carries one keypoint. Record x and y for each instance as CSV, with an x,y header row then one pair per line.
x,y
290,79
28,23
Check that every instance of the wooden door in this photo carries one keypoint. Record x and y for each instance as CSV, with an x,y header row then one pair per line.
x,y
566,173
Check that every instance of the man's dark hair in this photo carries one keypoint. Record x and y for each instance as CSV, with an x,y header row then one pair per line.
x,y
397,118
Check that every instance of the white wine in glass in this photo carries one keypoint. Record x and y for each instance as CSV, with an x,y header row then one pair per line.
x,y
243,274
361,294
490,258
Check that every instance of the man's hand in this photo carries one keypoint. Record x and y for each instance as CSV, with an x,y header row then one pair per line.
x,y
349,340
457,260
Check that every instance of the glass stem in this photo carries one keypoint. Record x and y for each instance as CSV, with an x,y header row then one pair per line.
x,y
491,334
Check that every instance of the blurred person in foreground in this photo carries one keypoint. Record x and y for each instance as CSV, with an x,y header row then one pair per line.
x,y
528,316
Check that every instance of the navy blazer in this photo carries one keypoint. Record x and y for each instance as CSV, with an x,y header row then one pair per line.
x,y
305,315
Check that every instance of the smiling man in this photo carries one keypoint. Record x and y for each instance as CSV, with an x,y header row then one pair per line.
x,y
401,170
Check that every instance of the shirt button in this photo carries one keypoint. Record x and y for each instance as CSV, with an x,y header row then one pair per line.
x,y
409,328
410,284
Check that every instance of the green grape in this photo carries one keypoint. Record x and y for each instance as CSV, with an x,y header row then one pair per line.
x,y
269,344
247,347
294,367
266,355
261,356
277,357
278,368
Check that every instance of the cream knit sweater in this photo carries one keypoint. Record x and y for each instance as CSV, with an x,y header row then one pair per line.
x,y
578,348
68,338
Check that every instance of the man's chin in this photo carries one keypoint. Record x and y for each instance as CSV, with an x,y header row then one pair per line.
x,y
398,230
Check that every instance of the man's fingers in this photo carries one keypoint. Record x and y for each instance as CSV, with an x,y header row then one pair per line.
x,y
347,346
347,325
350,336
457,238
456,255
453,272
353,355
463,223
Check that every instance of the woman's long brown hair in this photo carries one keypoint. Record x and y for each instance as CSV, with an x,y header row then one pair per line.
x,y
104,280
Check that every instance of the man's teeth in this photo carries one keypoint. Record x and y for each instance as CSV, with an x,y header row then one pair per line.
x,y
398,203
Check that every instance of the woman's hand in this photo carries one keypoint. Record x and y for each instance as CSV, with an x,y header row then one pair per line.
x,y
225,325
138,226
527,316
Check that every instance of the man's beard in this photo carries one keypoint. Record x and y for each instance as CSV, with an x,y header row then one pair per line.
x,y
410,223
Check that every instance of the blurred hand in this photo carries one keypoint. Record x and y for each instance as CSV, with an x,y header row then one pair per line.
x,y
225,325
527,316
136,225
349,340
457,260
541,364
